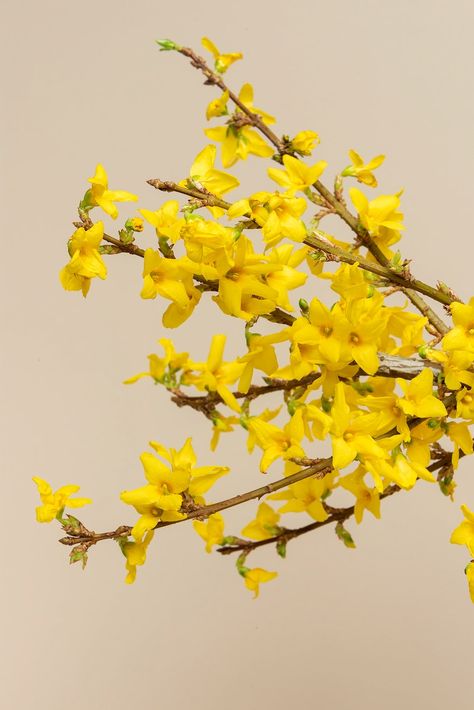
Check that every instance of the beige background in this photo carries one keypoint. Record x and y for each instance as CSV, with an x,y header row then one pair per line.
x,y
388,625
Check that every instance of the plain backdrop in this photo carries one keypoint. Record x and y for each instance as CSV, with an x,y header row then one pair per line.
x,y
387,625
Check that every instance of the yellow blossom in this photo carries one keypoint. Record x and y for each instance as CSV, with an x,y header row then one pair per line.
x,y
307,496
464,533
275,442
470,579
255,577
238,138
214,375
367,498
461,337
221,61
260,357
297,175
363,171
164,277
277,214
246,97
418,399
165,220
53,504
465,404
211,531
219,425
265,524
218,107
461,437
86,262
100,195
203,173
246,278
379,216
159,365
135,552
351,432
304,142
161,499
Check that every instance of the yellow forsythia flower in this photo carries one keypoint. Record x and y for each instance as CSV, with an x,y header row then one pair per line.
x,y
461,337
470,579
296,175
135,552
379,216
221,61
304,142
211,531
203,172
218,107
265,524
86,262
101,196
464,533
363,171
54,503
255,577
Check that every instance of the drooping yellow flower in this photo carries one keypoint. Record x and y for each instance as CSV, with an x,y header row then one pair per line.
x,y
164,277
246,97
277,214
135,552
165,220
211,531
218,107
418,399
461,437
86,262
456,366
379,216
203,173
238,138
465,403
363,171
255,577
470,579
221,61
367,498
100,195
161,499
275,442
297,176
461,337
221,424
261,357
54,503
215,375
304,142
307,496
246,277
352,432
464,533
265,524
159,366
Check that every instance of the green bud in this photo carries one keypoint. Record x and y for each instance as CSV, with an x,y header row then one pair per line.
x,y
167,45
281,548
345,536
433,423
423,351
292,406
304,306
126,236
78,554
326,405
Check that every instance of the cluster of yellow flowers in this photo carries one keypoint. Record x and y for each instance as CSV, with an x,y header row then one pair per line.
x,y
387,429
